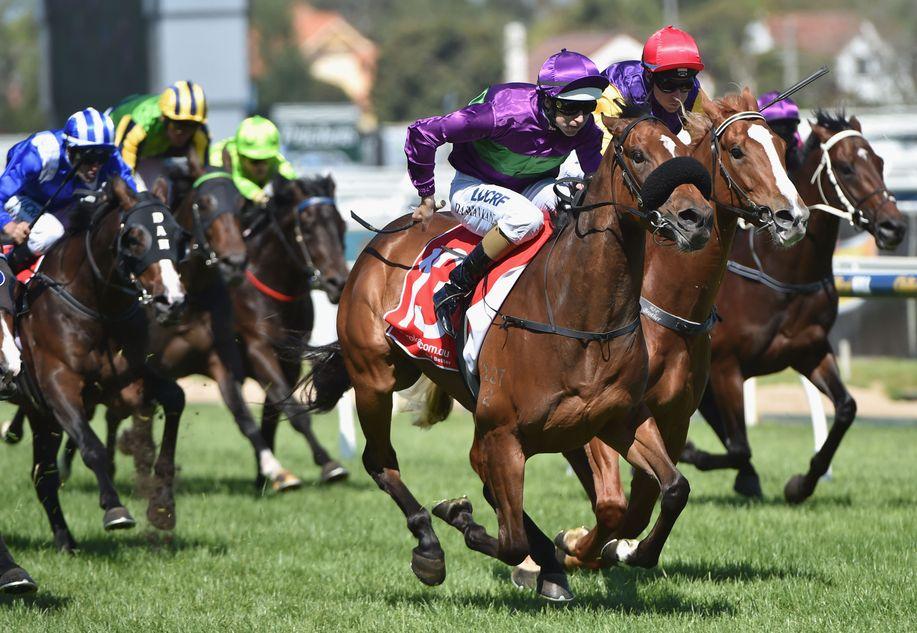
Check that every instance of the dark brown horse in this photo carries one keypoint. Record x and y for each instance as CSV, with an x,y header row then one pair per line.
x,y
778,306
84,340
291,251
539,392
678,312
13,578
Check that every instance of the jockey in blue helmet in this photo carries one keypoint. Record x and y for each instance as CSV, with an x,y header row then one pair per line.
x,y
48,173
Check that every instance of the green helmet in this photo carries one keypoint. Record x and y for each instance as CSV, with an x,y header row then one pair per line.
x,y
257,138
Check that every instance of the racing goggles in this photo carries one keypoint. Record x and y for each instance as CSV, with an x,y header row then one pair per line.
x,y
573,108
670,85
97,155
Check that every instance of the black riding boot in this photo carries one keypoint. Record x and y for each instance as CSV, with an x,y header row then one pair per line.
x,y
462,281
20,258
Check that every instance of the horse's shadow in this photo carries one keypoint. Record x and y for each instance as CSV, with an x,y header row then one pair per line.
x,y
36,604
771,501
111,547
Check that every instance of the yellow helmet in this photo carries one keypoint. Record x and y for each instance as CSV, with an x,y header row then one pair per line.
x,y
184,101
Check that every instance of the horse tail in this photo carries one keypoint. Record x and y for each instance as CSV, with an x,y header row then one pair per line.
x,y
327,381
430,401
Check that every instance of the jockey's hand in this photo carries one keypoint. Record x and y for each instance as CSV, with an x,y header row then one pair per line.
x,y
425,210
19,231
261,198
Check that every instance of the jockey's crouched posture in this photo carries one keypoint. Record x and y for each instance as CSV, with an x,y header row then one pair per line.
x,y
508,145
253,158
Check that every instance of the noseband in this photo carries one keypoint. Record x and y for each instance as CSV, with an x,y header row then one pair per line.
x,y
300,254
752,212
851,212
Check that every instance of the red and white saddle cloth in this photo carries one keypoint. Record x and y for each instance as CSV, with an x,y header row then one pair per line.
x,y
25,275
412,324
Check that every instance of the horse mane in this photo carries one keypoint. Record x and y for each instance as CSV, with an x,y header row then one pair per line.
x,y
318,185
632,109
836,121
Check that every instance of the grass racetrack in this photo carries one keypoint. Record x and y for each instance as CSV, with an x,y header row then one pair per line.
x,y
336,558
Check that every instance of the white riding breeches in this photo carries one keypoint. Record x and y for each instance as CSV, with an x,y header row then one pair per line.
x,y
480,206
45,232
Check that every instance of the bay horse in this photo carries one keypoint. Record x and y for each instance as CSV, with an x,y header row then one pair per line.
x,y
13,578
678,315
292,249
539,392
778,306
84,341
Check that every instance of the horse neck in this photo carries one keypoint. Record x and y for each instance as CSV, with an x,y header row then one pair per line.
x,y
274,265
597,269
73,257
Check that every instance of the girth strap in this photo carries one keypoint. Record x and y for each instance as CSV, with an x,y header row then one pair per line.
x,y
58,289
580,335
267,290
676,323
774,284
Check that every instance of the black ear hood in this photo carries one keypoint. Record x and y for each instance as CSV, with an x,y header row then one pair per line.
x,y
681,170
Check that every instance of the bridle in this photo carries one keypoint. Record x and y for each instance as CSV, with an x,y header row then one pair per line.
x,y
753,212
851,212
299,252
200,225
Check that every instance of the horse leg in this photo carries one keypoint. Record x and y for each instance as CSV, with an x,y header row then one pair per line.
x,y
374,409
64,398
723,407
65,460
270,418
281,479
827,378
46,440
11,430
645,450
13,578
273,379
161,509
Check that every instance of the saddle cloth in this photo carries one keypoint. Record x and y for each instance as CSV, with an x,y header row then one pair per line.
x,y
413,325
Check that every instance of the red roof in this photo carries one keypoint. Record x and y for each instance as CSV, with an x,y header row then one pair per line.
x,y
821,33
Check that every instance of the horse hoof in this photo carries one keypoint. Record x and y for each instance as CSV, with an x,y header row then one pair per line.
x,y
16,581
118,518
566,540
332,472
748,485
797,490
554,588
525,575
161,515
7,434
448,509
618,551
285,481
430,571
65,543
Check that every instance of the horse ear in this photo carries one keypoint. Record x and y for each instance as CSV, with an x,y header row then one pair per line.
x,y
160,190
855,124
751,103
712,110
195,168
821,132
613,124
123,194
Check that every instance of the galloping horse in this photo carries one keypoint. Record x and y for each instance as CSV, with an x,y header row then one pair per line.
x,y
539,392
678,313
84,340
291,251
778,306
13,578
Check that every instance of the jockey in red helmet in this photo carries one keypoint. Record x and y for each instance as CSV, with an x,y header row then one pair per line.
x,y
665,78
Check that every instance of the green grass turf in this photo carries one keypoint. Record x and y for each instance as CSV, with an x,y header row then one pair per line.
x,y
897,377
336,559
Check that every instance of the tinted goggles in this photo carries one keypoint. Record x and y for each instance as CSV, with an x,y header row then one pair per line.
x,y
669,86
92,155
572,108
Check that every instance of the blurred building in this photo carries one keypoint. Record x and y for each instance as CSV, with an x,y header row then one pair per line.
x,y
602,47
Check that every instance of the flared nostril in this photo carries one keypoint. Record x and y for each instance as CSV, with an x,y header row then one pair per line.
x,y
784,217
689,217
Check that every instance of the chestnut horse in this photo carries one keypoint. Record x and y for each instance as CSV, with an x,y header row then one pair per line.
x,y
84,338
778,309
678,314
543,388
291,251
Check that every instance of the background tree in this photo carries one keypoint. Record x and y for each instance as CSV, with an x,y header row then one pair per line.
x,y
19,70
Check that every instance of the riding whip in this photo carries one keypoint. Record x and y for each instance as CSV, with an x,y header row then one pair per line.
x,y
796,87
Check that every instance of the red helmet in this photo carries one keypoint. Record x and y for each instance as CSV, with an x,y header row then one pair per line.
x,y
670,48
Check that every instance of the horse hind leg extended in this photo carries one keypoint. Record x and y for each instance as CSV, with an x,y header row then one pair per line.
x,y
644,449
161,509
46,440
826,377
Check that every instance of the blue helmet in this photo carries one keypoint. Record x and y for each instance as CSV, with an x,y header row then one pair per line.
x,y
90,128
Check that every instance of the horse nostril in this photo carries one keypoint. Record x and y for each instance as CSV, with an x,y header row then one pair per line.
x,y
890,227
784,217
689,217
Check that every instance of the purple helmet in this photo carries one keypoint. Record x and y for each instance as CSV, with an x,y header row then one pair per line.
x,y
780,111
572,77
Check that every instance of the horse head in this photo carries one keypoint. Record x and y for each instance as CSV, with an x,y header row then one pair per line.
x,y
850,178
747,166
147,251
211,215
669,188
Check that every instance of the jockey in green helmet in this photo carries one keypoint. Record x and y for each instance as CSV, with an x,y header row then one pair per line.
x,y
253,158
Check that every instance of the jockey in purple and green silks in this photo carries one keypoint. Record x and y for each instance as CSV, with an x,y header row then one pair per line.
x,y
665,79
253,158
508,146
783,118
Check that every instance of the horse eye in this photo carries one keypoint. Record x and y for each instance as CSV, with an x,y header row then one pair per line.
x,y
737,152
637,156
845,169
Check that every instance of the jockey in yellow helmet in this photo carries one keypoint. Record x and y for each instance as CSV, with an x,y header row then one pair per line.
x,y
168,124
